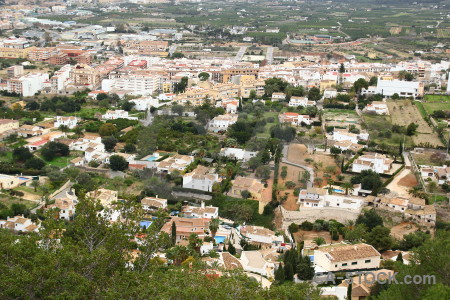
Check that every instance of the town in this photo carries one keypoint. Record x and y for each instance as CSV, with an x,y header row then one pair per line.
x,y
145,157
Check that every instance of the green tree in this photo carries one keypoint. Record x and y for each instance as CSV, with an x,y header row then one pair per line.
x,y
319,241
342,68
107,129
35,163
370,219
173,235
359,84
203,76
380,238
213,226
305,269
293,228
110,142
118,163
314,94
22,154
411,129
231,249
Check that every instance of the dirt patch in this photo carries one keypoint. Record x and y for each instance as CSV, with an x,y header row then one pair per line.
x,y
403,113
402,229
321,163
294,174
303,235
408,181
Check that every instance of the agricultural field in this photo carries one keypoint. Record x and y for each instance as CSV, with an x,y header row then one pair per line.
x,y
403,113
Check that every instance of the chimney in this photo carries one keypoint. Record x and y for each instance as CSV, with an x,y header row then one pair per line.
x,y
156,196
203,204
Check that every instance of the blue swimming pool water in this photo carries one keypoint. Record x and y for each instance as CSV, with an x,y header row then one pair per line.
x,y
152,158
219,239
24,178
145,223
338,190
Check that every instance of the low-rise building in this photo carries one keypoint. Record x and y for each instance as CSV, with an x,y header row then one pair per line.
x,y
347,257
19,224
294,118
117,114
376,162
378,107
301,101
176,162
153,203
186,226
222,122
105,196
278,96
71,122
320,197
237,153
251,185
201,178
205,212
259,235
65,208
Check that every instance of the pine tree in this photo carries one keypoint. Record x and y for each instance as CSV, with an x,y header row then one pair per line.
x,y
231,249
400,258
349,291
305,270
289,271
279,274
174,233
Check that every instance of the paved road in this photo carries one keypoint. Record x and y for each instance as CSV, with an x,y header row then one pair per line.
x,y
240,53
269,55
307,168
172,49
148,119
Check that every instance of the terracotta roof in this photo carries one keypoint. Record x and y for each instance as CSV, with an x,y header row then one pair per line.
x,y
350,252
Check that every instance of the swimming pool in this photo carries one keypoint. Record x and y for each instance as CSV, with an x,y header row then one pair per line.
x,y
145,223
24,178
151,158
338,191
219,239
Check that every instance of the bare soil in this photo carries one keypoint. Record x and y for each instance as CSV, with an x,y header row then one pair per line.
x,y
408,181
303,235
402,229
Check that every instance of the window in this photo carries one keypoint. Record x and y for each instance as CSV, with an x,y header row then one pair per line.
x,y
354,263
344,264
367,261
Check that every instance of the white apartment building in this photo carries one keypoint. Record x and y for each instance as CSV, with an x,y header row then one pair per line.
x,y
70,122
144,85
202,178
27,85
222,122
376,162
348,257
60,79
301,101
388,88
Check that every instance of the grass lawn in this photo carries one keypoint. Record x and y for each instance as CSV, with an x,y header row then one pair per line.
x,y
269,114
6,157
437,98
63,161
28,190
378,123
430,107
8,200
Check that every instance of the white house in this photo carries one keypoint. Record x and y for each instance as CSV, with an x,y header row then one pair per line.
x,y
301,101
347,257
278,96
378,107
149,203
70,122
254,261
19,224
222,122
201,178
237,153
319,197
259,234
65,208
145,103
343,135
205,212
294,118
177,162
376,162
117,114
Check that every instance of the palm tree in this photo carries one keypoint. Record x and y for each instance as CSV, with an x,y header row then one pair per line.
x,y
214,226
35,184
318,181
319,241
348,186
